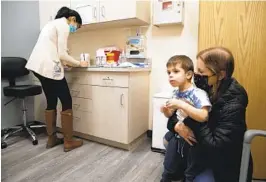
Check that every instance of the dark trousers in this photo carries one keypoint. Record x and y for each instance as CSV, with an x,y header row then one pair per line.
x,y
174,163
54,89
181,160
196,162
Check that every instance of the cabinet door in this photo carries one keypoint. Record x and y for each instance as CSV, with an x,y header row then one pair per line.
x,y
117,10
110,113
49,9
88,10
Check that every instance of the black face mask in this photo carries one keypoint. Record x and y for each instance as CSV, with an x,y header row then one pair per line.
x,y
201,81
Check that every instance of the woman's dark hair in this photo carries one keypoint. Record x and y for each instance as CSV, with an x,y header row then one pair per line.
x,y
67,12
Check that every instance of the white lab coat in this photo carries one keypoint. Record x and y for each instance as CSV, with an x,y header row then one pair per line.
x,y
50,51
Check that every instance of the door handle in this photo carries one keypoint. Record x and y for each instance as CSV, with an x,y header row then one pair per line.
x,y
95,12
122,99
103,11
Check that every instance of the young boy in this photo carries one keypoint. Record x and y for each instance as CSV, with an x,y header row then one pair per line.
x,y
187,101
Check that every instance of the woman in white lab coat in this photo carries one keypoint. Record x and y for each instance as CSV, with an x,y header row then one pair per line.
x,y
47,62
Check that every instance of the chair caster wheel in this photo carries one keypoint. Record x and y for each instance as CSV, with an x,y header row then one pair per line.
x,y
3,145
35,142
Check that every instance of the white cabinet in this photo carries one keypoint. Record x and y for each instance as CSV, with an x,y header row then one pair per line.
x,y
110,113
117,10
168,12
49,9
88,10
159,124
112,12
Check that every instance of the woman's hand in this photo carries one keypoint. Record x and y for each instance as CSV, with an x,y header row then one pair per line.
x,y
84,63
185,132
66,66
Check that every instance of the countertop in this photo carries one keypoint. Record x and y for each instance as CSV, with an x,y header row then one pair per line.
x,y
108,69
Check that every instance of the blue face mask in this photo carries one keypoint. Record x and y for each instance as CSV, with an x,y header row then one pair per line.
x,y
72,28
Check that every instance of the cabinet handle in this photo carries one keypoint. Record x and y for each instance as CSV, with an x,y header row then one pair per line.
x,y
108,78
103,11
75,91
95,12
76,118
121,99
76,106
75,77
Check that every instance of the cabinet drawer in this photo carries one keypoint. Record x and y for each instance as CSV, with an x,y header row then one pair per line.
x,y
110,79
81,122
82,115
79,104
83,105
80,91
78,77
73,77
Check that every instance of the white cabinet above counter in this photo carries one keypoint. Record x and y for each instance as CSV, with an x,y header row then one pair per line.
x,y
100,13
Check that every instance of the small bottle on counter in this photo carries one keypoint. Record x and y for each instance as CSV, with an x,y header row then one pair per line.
x,y
122,58
103,60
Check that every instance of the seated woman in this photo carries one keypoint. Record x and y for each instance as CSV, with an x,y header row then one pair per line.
x,y
222,136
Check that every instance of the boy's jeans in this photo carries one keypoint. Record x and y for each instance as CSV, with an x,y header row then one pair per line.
x,y
174,163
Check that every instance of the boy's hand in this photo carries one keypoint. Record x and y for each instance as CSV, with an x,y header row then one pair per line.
x,y
163,109
167,111
175,104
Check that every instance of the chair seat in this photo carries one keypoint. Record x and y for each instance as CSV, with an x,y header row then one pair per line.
x,y
22,90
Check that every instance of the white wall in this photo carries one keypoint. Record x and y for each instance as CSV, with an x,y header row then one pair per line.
x,y
19,32
162,43
165,42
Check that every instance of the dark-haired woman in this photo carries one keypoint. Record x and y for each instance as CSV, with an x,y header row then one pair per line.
x,y
47,62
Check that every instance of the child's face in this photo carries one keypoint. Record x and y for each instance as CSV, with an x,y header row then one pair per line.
x,y
177,76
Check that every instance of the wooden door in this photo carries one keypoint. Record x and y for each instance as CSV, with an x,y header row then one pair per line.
x,y
241,27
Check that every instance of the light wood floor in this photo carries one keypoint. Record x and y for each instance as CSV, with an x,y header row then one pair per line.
x,y
93,162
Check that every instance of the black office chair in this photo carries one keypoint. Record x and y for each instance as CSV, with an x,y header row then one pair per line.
x,y
12,68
